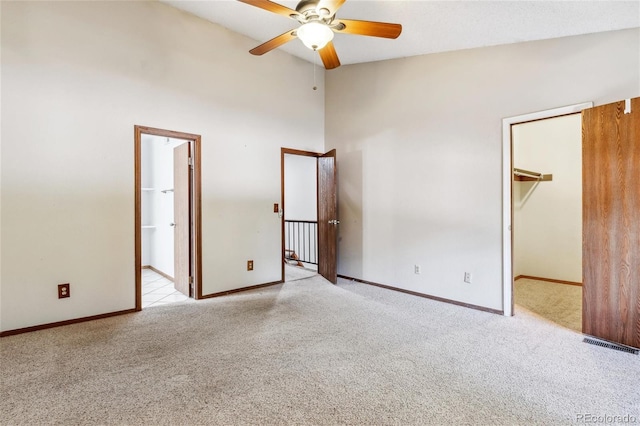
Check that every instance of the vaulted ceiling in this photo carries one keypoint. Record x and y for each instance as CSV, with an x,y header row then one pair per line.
x,y
428,26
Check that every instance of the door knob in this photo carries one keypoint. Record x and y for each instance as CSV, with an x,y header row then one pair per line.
x,y
172,224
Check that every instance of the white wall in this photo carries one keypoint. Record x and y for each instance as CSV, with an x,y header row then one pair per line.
x,y
300,187
419,152
548,215
76,78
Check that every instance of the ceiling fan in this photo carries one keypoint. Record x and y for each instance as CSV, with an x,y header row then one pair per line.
x,y
318,23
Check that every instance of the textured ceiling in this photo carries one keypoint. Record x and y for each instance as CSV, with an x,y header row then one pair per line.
x,y
429,26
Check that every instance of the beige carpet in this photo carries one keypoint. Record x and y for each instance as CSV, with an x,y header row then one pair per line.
x,y
308,352
558,303
294,273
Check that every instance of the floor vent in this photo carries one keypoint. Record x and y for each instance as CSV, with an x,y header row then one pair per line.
x,y
610,345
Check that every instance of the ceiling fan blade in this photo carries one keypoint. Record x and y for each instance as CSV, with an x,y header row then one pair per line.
x,y
331,5
369,28
329,56
273,43
272,7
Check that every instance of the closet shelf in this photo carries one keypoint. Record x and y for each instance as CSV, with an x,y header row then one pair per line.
x,y
522,175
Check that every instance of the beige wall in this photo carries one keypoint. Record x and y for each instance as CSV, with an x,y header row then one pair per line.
x,y
547,232
419,152
76,78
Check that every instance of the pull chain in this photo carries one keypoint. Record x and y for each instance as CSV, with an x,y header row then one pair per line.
x,y
315,60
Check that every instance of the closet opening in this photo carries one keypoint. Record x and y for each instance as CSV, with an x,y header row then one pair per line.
x,y
542,215
547,219
167,217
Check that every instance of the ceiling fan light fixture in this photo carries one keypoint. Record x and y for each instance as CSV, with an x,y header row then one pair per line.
x,y
315,35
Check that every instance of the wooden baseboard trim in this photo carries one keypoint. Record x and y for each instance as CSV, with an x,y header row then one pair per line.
x,y
239,290
426,296
61,323
550,280
159,272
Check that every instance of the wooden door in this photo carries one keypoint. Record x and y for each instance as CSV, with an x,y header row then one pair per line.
x,y
611,223
182,218
327,216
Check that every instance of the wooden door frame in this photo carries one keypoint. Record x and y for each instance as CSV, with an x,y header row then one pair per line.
x,y
290,151
507,192
196,216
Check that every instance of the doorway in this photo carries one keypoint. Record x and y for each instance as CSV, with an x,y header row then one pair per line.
x,y
300,217
308,213
547,219
167,216
508,190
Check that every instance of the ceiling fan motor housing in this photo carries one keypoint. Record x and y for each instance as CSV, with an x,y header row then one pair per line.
x,y
308,11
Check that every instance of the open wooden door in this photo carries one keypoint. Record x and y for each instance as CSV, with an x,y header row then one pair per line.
x,y
611,222
182,218
327,216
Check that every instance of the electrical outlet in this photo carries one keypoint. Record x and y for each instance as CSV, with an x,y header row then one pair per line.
x,y
467,277
416,269
64,290
249,265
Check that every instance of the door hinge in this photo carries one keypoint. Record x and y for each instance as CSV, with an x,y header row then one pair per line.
x,y
191,280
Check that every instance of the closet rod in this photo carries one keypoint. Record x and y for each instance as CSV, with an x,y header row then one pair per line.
x,y
529,175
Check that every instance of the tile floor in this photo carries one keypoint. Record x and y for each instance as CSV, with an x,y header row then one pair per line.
x,y
158,290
